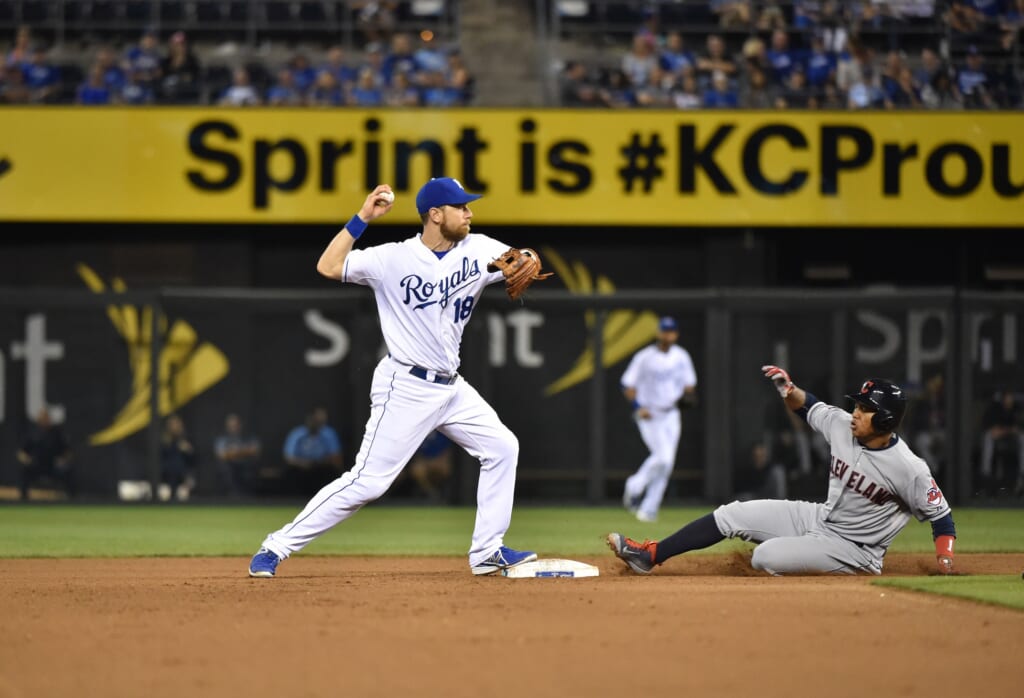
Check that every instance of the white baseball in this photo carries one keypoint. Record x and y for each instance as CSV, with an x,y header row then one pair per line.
x,y
387,197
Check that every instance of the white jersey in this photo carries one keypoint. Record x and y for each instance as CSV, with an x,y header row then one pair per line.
x,y
872,493
425,302
660,377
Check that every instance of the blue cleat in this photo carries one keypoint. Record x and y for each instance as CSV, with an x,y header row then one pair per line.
x,y
264,564
502,559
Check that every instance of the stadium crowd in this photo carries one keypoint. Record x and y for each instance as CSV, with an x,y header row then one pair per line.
x,y
397,74
808,54
757,54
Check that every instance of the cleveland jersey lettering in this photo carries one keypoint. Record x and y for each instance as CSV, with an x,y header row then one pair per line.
x,y
899,482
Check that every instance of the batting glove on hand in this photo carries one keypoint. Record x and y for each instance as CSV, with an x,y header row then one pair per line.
x,y
780,378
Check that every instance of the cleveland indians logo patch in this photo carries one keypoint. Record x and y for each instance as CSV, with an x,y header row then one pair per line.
x,y
934,493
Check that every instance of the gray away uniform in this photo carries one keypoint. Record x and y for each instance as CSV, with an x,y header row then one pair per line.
x,y
871,495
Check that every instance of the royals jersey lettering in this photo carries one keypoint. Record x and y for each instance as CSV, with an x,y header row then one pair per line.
x,y
425,302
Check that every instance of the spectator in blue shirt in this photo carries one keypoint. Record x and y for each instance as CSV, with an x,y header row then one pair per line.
x,y
366,93
94,90
283,93
113,75
781,57
890,78
142,60
806,13
326,92
974,83
41,78
676,58
821,65
401,58
313,453
344,74
721,95
303,74
439,92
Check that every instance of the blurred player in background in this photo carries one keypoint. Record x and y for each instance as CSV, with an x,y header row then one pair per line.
x,y
657,378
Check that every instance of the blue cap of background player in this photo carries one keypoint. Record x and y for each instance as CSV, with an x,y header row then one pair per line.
x,y
442,191
667,324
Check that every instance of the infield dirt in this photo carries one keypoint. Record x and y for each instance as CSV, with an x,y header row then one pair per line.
x,y
357,626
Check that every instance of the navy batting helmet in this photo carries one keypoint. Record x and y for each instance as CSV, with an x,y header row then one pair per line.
x,y
886,400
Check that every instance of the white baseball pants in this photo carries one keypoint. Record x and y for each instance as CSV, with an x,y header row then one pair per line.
x,y
660,434
404,410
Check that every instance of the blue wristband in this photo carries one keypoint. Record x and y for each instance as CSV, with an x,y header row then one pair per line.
x,y
636,405
356,226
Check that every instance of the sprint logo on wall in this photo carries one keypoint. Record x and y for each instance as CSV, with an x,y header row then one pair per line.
x,y
197,365
623,333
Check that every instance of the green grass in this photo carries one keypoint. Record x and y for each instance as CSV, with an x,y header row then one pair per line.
x,y
196,530
1000,590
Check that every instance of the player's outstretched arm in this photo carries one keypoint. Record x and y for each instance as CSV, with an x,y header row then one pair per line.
x,y
793,396
378,202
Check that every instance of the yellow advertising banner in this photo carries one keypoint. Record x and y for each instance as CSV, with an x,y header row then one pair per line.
x,y
535,167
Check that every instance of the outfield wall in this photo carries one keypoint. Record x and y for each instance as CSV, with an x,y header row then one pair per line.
x,y
272,355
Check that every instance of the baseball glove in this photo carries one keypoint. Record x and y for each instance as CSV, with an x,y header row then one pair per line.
x,y
520,267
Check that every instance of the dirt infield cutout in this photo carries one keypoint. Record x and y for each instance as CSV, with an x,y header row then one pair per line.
x,y
359,626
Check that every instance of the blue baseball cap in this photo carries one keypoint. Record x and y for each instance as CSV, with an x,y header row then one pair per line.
x,y
667,324
442,191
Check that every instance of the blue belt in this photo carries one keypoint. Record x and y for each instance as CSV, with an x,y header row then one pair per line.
x,y
441,378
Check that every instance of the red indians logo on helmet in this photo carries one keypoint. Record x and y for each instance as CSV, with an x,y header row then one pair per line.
x,y
867,386
934,493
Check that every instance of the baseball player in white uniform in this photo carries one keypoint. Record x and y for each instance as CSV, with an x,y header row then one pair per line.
x,y
876,484
657,378
426,290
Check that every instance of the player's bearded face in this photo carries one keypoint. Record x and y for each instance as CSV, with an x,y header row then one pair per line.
x,y
455,223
